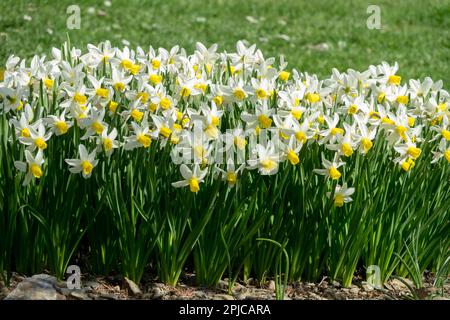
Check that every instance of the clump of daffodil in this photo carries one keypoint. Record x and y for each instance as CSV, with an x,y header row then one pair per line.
x,y
238,105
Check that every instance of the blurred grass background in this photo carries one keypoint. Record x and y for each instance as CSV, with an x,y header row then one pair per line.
x,y
314,36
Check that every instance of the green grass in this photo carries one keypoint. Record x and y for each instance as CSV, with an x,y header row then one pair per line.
x,y
414,33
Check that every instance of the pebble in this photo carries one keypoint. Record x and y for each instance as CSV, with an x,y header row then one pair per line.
x,y
354,290
132,286
336,284
92,284
78,294
157,293
271,285
200,294
223,284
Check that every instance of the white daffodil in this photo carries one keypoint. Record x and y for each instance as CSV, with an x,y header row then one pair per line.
x,y
345,144
107,142
260,120
230,175
235,141
32,167
291,150
187,87
265,159
23,125
206,57
98,93
140,138
58,124
192,178
136,112
443,151
408,151
365,136
93,124
84,164
341,195
103,52
333,132
76,96
12,98
37,138
236,91
119,80
331,168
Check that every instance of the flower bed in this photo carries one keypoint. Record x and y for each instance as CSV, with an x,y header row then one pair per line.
x,y
225,163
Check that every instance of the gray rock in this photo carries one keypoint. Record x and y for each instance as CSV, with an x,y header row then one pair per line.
x,y
108,296
63,291
354,290
79,294
92,284
336,284
157,293
271,285
223,284
367,287
242,296
200,294
133,287
38,287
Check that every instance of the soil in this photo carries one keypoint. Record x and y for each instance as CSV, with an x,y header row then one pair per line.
x,y
120,288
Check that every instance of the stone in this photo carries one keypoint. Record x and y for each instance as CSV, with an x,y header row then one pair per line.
x,y
242,296
79,295
354,290
132,287
367,287
323,285
38,287
223,284
157,293
336,284
108,296
63,291
399,285
92,284
61,284
271,286
200,294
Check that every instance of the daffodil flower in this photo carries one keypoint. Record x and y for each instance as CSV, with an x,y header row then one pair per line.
x,y
93,123
265,159
341,195
192,178
37,138
330,168
32,167
84,164
58,124
140,138
230,175
23,125
107,142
